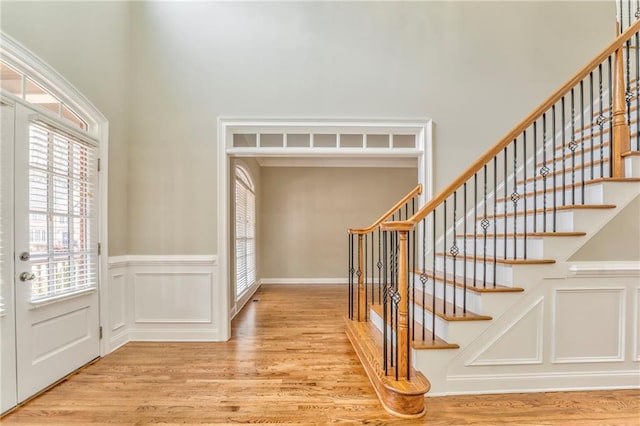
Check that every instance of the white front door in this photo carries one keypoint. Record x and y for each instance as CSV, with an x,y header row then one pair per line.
x,y
56,251
8,395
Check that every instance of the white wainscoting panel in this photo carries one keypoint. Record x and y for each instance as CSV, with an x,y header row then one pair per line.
x,y
163,298
588,325
117,302
172,297
520,343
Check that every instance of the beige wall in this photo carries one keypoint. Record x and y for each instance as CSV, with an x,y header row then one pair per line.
x,y
88,43
475,68
618,240
162,72
305,214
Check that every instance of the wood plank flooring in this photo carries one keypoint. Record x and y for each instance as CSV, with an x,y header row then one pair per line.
x,y
283,366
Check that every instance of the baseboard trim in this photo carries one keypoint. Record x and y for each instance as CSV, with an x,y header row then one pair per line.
x,y
540,382
209,335
313,281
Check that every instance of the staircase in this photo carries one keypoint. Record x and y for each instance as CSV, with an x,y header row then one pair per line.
x,y
475,292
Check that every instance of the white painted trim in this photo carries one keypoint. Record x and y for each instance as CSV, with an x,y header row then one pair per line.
x,y
66,92
397,162
621,326
422,128
541,382
539,302
605,269
163,260
304,281
636,325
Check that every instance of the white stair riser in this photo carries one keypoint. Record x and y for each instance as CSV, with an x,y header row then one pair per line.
x,y
563,223
632,166
474,300
535,246
542,201
483,272
442,326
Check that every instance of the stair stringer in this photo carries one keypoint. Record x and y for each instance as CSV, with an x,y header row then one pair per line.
x,y
609,359
451,372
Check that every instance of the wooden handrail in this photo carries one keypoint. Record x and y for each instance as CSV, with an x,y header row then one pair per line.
x,y
415,191
515,132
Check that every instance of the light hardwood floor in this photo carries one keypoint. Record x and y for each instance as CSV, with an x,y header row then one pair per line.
x,y
288,362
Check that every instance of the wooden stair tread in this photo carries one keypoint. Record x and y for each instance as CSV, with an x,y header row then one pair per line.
x,y
612,179
504,261
558,208
399,397
478,288
428,343
630,154
529,234
459,314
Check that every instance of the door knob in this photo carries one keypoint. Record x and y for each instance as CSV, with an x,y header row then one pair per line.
x,y
27,276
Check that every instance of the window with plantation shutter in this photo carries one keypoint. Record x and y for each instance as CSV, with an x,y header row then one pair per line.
x,y
245,239
62,213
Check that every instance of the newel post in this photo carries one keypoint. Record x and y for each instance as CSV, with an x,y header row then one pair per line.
x,y
621,137
362,295
403,307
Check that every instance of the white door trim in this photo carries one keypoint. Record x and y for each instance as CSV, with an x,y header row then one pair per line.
x,y
423,152
27,62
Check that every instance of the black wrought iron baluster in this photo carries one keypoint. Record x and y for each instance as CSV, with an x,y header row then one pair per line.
x,y
373,268
485,225
601,121
475,226
412,271
573,145
454,251
385,300
544,171
582,139
564,144
524,214
593,121
495,220
366,279
350,274
514,199
444,254
423,276
534,172
554,174
396,301
433,289
506,214
379,265
610,66
464,252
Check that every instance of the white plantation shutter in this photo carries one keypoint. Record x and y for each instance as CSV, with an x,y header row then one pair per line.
x,y
62,212
245,232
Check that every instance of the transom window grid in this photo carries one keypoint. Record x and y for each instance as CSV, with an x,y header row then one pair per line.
x,y
245,230
324,140
62,213
19,84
